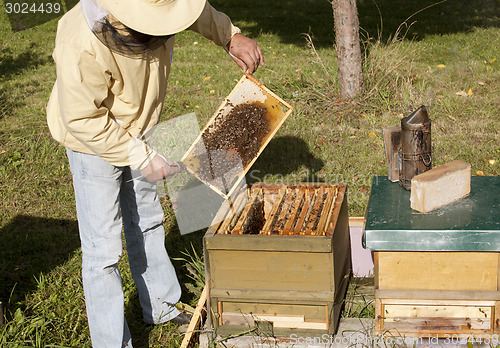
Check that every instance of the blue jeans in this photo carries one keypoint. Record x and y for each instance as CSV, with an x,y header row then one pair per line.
x,y
107,197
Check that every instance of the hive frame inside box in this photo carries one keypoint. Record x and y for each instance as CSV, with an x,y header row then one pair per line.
x,y
437,294
284,284
247,90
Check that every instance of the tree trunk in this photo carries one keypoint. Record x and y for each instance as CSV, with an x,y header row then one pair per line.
x,y
350,73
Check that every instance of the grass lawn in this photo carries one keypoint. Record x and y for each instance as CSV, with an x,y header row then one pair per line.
x,y
445,56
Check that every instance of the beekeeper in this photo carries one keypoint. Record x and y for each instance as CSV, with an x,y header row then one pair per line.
x,y
113,60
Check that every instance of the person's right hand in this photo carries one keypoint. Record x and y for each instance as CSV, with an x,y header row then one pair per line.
x,y
160,168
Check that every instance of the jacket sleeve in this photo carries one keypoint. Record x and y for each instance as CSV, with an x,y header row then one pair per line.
x,y
83,86
215,26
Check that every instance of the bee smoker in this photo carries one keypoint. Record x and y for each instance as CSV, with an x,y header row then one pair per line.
x,y
415,146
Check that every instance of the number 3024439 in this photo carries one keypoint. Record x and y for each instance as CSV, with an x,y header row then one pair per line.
x,y
31,8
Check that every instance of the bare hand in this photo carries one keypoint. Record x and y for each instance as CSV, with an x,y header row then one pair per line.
x,y
246,53
160,168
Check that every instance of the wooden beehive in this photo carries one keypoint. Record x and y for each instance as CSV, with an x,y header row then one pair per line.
x,y
436,274
437,293
288,276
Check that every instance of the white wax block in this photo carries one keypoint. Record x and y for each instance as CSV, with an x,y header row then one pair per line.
x,y
440,186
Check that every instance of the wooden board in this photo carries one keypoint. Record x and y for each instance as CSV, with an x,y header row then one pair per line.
x,y
392,145
271,270
437,270
195,323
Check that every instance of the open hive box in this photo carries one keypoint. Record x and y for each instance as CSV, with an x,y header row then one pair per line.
x,y
236,135
280,260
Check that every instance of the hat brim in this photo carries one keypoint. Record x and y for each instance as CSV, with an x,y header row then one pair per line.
x,y
163,18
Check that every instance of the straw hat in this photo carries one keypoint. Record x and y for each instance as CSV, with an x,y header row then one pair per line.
x,y
156,17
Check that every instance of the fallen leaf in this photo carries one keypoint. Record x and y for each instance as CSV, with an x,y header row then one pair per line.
x,y
320,141
492,60
441,66
195,43
197,106
480,172
206,78
488,67
371,134
491,161
469,92
461,94
481,83
212,91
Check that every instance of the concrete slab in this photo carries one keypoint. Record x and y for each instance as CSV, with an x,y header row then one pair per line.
x,y
352,333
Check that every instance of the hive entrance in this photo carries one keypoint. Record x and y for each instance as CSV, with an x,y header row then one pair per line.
x,y
282,210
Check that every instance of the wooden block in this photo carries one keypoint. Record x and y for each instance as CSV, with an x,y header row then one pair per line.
x,y
440,186
304,325
278,321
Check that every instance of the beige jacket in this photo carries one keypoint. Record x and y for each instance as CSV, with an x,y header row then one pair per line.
x,y
102,102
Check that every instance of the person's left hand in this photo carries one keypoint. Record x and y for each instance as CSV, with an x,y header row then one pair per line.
x,y
245,52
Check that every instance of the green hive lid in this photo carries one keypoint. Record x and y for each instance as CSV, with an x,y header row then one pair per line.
x,y
469,224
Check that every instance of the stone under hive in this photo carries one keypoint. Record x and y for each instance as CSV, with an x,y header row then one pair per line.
x,y
279,260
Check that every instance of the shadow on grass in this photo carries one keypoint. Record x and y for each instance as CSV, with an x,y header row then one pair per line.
x,y
12,64
285,155
289,19
30,246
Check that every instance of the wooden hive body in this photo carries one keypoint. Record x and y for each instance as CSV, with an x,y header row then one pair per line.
x,y
286,282
436,274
